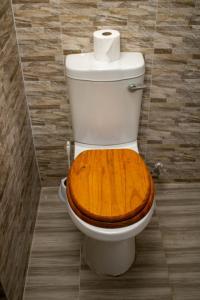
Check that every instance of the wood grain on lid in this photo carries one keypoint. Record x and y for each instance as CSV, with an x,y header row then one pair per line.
x,y
109,185
106,224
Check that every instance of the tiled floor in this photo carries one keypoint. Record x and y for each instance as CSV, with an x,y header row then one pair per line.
x,y
178,210
167,262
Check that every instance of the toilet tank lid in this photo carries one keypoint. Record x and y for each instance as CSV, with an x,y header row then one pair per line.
x,y
84,66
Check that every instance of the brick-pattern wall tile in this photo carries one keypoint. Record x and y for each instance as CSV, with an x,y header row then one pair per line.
x,y
165,31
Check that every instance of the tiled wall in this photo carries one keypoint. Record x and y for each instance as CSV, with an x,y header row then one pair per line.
x,y
167,33
19,180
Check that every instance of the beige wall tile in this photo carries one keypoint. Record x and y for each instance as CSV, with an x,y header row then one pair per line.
x,y
166,32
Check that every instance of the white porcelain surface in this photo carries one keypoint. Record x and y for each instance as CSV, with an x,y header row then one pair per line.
x,y
84,66
79,147
62,190
109,258
105,113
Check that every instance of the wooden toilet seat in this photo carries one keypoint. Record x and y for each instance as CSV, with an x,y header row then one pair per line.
x,y
110,188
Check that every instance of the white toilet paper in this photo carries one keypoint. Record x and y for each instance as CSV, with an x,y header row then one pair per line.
x,y
106,45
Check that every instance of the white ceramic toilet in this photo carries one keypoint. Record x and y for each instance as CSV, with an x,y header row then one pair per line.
x,y
109,188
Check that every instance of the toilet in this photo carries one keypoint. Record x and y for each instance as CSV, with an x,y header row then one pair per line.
x,y
109,191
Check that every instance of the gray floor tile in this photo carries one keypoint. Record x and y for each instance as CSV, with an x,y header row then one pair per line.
x,y
167,264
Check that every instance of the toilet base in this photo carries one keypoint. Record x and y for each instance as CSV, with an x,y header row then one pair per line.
x,y
109,258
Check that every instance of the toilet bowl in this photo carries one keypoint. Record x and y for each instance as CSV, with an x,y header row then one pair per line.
x,y
109,247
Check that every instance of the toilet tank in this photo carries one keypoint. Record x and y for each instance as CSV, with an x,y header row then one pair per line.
x,y
105,98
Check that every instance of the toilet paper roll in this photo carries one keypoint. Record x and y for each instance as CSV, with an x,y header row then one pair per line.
x,y
106,45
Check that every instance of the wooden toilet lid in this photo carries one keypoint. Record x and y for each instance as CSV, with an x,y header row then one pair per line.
x,y
116,224
109,185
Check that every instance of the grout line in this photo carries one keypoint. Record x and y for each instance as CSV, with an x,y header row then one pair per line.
x,y
26,100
